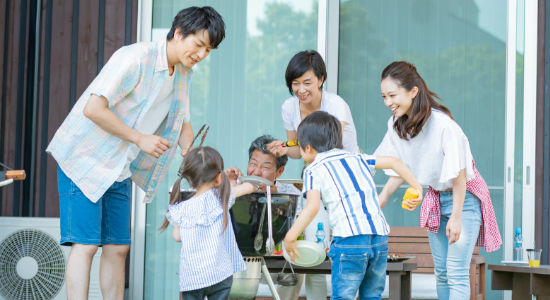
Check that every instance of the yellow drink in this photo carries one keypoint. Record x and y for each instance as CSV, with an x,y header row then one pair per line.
x,y
534,263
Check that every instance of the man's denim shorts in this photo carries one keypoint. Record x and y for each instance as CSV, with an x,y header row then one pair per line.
x,y
105,222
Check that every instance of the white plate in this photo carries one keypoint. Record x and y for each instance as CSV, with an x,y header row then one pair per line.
x,y
311,253
290,181
255,180
515,263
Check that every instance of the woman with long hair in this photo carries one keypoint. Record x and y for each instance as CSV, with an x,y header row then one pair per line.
x,y
457,209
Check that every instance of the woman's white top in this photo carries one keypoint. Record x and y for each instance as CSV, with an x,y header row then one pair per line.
x,y
330,103
435,156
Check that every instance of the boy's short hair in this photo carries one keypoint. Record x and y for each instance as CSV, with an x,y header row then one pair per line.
x,y
193,19
260,144
320,130
301,63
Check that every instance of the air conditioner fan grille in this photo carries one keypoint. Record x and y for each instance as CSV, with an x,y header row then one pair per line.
x,y
48,255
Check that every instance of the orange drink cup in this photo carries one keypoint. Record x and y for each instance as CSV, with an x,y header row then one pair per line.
x,y
533,255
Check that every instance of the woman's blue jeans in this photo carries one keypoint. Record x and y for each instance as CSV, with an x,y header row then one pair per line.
x,y
452,262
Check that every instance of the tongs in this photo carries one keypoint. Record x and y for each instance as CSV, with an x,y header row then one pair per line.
x,y
175,195
191,145
291,280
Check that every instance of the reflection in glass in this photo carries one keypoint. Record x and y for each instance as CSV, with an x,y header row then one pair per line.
x,y
238,91
459,48
463,62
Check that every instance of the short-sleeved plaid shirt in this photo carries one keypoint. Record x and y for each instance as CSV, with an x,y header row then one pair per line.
x,y
131,80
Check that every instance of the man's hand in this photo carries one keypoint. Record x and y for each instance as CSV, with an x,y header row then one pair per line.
x,y
263,188
152,145
184,151
291,249
454,228
186,137
233,173
276,149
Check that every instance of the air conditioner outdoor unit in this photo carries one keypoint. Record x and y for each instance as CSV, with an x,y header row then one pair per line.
x,y
32,263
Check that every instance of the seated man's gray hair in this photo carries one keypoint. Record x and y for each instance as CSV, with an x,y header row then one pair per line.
x,y
260,144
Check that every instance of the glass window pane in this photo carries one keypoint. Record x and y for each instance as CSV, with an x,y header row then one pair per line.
x,y
518,151
238,90
459,48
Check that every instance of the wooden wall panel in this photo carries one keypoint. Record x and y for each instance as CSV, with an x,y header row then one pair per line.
x,y
4,17
115,13
55,83
542,199
11,103
59,95
87,45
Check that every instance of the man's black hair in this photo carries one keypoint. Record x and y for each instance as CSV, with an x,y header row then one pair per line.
x,y
320,130
194,19
260,145
301,63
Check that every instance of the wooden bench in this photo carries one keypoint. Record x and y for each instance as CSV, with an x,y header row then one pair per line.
x,y
413,241
400,284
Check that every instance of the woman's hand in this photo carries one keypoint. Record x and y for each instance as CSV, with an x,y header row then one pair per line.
x,y
382,199
459,192
291,249
276,149
454,228
413,203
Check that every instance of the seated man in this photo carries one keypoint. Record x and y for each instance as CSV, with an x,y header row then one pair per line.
x,y
263,164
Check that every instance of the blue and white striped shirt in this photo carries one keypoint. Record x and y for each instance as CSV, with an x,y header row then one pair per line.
x,y
207,257
348,192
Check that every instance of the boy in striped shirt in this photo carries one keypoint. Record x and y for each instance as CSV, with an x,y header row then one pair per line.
x,y
344,183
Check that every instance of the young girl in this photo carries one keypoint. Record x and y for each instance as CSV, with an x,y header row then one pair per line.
x,y
209,252
457,208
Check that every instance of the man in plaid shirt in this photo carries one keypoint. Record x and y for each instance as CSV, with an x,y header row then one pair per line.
x,y
126,125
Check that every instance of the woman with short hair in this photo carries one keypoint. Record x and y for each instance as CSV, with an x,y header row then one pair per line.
x,y
305,76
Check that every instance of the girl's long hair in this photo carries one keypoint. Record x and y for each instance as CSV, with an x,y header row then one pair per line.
x,y
202,165
406,76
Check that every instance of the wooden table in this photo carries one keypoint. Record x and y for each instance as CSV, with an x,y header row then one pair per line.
x,y
524,282
399,272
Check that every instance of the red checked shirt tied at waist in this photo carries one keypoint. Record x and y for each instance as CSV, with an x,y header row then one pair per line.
x,y
489,235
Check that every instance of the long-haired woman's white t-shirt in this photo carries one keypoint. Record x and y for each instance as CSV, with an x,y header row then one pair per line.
x,y
435,156
330,103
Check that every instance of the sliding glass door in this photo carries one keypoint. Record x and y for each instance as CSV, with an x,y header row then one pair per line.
x,y
238,91
460,49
